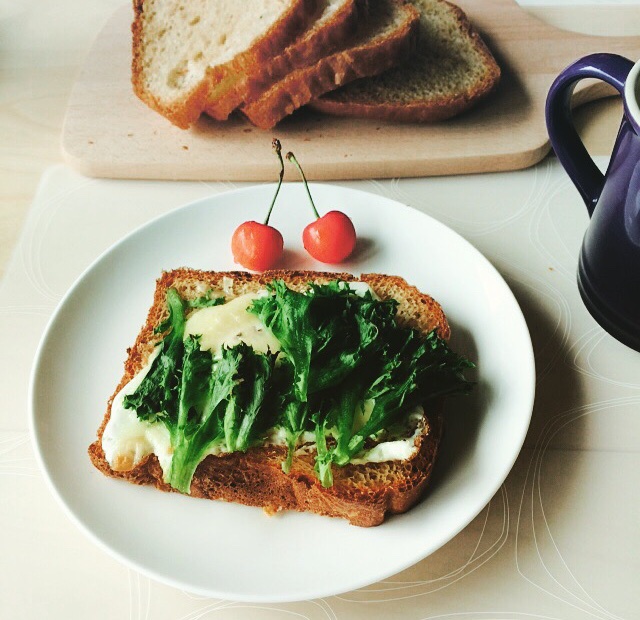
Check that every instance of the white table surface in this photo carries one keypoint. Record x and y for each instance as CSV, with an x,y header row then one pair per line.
x,y
561,540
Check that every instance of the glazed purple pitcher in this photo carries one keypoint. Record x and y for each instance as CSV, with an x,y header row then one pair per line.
x,y
609,264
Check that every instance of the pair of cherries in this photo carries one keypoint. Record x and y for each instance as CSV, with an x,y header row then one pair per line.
x,y
330,238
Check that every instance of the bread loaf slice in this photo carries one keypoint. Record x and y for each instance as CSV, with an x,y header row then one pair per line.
x,y
337,22
387,37
452,70
187,53
361,493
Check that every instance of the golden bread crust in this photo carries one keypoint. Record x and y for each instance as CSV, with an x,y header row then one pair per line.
x,y
421,111
306,50
351,63
255,478
185,111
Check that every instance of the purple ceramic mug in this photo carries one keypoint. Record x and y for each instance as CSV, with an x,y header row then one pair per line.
x,y
609,264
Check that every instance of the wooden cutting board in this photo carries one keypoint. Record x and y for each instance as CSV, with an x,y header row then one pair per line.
x,y
108,132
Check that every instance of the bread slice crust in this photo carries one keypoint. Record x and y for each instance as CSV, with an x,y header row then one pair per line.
x,y
218,79
364,494
348,102
360,59
316,42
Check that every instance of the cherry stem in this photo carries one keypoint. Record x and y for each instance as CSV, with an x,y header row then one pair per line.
x,y
277,147
291,157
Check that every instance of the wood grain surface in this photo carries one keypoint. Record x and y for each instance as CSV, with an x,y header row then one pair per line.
x,y
109,133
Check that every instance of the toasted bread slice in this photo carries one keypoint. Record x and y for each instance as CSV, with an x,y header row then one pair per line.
x,y
452,70
336,23
387,37
186,53
362,493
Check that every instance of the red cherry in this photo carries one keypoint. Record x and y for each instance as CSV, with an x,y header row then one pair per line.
x,y
259,246
331,238
256,246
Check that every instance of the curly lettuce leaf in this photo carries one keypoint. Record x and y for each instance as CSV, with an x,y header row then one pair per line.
x,y
156,397
286,314
340,350
414,371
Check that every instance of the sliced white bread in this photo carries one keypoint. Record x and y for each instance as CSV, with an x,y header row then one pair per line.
x,y
387,37
452,70
336,22
185,52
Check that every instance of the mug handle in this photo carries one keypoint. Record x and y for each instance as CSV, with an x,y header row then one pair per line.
x,y
565,140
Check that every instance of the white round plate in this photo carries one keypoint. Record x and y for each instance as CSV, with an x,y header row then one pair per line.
x,y
237,552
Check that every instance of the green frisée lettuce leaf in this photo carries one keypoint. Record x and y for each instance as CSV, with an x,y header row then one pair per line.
x,y
341,353
218,401
413,372
205,301
253,372
341,419
287,314
157,396
294,423
197,426
323,454
349,331
334,418
326,332
200,400
355,349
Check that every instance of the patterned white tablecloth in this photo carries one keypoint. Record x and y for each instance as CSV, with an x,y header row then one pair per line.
x,y
560,540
